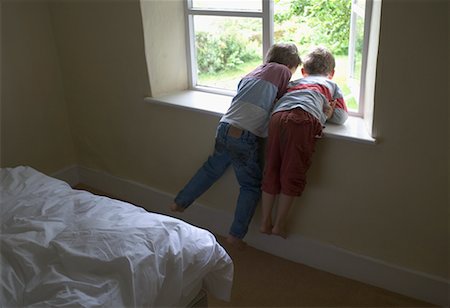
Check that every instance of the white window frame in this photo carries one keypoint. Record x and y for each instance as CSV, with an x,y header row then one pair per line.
x,y
266,15
355,13
267,21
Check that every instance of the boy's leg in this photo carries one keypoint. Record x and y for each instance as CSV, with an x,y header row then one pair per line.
x,y
284,206
247,167
297,150
271,178
249,196
266,218
207,175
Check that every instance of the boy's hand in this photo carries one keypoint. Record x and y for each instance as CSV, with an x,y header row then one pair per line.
x,y
329,109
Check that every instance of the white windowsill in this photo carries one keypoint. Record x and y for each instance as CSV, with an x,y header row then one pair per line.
x,y
216,104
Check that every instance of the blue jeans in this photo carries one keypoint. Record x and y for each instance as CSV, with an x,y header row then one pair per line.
x,y
243,154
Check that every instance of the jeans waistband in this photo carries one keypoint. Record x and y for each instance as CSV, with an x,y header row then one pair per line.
x,y
236,132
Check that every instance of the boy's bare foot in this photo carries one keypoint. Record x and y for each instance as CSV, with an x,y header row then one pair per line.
x,y
176,208
236,242
266,228
280,232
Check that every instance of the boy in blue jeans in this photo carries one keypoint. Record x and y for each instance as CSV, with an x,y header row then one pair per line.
x,y
239,136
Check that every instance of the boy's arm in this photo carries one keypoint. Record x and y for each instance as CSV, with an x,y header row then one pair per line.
x,y
339,112
329,109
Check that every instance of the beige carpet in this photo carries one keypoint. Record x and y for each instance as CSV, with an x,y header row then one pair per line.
x,y
264,280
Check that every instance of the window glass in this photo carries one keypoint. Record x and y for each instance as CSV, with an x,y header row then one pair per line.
x,y
226,49
228,43
360,4
309,23
356,46
235,5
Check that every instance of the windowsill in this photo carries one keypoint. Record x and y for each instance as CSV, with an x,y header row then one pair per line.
x,y
216,104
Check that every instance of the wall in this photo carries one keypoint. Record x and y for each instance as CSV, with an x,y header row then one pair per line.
x,y
1,78
165,45
105,76
387,201
34,121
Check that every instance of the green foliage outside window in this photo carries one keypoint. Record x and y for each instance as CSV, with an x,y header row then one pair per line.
x,y
224,52
303,22
237,41
237,44
314,22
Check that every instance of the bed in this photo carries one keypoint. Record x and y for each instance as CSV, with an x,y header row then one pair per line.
x,y
67,247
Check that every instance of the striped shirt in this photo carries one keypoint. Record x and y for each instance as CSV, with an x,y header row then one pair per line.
x,y
312,94
250,109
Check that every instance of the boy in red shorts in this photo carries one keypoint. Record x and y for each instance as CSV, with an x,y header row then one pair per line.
x,y
296,122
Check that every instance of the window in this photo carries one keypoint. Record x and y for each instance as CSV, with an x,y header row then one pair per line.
x,y
356,49
228,38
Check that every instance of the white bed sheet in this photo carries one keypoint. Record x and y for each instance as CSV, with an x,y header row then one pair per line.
x,y
65,247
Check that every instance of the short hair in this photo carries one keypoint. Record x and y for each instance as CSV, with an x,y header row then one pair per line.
x,y
319,61
284,53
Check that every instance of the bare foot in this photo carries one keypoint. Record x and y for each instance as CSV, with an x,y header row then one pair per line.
x,y
266,228
279,231
176,208
236,242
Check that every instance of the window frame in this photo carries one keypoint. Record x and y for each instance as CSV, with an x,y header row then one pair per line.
x,y
266,15
268,38
365,49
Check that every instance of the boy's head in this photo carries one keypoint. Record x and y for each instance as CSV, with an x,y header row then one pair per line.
x,y
286,54
319,61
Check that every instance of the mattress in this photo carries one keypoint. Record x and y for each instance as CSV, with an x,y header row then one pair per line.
x,y
66,247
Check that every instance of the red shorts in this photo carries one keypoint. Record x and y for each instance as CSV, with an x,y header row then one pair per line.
x,y
292,138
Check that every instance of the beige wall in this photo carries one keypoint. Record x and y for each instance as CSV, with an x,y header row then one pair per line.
x,y
105,79
165,45
34,120
387,201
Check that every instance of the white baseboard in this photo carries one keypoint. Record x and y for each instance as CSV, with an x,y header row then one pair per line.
x,y
299,249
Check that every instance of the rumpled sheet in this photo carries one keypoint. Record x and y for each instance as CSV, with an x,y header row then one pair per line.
x,y
65,247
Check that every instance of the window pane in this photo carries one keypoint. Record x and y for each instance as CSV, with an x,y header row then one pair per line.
x,y
360,5
320,22
356,48
226,49
235,5
355,73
